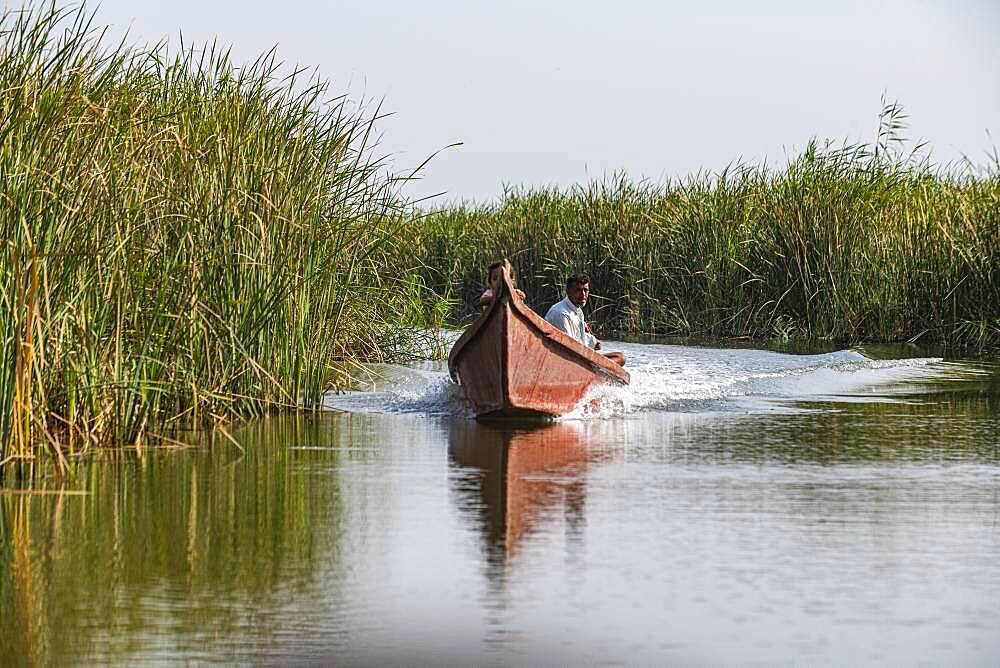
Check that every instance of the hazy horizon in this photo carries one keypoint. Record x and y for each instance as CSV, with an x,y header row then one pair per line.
x,y
564,93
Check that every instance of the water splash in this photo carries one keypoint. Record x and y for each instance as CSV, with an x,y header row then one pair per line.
x,y
670,378
677,378
424,388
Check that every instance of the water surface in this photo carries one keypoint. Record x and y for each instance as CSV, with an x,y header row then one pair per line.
x,y
731,506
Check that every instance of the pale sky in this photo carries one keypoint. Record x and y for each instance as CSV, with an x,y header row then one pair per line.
x,y
566,91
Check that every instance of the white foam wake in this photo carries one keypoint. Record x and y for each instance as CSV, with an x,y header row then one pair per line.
x,y
670,378
675,378
423,388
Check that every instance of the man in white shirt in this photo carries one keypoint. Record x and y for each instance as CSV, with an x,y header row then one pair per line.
x,y
567,315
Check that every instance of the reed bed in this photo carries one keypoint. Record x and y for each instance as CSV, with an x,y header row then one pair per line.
x,y
183,241
846,242
186,242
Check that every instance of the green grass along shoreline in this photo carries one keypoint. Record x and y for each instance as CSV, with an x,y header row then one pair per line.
x,y
187,242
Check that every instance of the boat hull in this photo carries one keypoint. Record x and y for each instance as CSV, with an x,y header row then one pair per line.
x,y
513,364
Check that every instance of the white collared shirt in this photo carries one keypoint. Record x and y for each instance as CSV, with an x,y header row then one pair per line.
x,y
568,317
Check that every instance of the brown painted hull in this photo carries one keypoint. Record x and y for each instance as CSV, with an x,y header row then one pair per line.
x,y
512,363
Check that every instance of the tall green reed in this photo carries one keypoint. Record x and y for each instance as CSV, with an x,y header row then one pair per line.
x,y
850,242
184,241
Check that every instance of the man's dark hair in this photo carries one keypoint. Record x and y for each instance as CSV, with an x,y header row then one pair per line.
x,y
577,279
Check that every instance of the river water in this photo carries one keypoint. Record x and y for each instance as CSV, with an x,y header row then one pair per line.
x,y
731,506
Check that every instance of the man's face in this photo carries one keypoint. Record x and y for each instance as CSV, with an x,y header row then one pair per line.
x,y
578,293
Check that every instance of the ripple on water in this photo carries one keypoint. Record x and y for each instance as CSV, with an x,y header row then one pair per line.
x,y
672,378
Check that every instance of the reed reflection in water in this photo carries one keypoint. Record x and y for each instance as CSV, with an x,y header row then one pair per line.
x,y
194,553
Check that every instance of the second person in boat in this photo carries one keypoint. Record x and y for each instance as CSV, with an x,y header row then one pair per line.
x,y
567,315
493,279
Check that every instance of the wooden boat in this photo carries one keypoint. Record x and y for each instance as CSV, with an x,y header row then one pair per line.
x,y
511,363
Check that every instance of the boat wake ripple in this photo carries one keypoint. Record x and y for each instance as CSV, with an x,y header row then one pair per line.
x,y
672,378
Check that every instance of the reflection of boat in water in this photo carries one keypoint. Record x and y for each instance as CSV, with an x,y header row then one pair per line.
x,y
512,363
524,475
